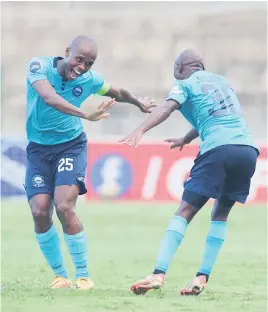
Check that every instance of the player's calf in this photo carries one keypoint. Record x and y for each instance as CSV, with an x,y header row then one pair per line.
x,y
74,235
171,241
214,241
221,209
46,234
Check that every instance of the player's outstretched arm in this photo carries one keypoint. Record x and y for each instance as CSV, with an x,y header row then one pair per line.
x,y
122,95
160,114
51,98
187,139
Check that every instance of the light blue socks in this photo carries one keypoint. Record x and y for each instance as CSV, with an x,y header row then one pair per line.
x,y
49,243
171,241
214,241
77,246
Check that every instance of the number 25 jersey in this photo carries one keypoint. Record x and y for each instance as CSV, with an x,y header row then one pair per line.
x,y
210,104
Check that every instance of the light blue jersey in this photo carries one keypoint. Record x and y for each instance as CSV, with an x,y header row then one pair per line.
x,y
210,104
45,125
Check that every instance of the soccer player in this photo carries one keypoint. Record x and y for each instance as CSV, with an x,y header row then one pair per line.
x,y
57,149
222,170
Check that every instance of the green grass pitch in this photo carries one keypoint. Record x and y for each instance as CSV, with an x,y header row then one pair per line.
x,y
123,240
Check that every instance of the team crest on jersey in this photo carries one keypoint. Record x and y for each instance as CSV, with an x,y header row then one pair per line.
x,y
175,90
77,91
34,67
38,181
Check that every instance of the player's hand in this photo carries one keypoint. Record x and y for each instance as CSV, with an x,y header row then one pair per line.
x,y
101,112
176,143
146,105
132,139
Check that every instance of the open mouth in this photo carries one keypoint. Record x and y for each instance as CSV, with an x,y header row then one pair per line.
x,y
74,73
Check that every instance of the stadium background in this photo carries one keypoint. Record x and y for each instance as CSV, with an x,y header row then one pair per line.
x,y
137,42
137,48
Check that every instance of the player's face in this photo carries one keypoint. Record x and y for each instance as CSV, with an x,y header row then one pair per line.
x,y
78,62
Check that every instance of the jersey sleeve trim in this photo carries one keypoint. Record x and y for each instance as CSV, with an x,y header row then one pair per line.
x,y
106,86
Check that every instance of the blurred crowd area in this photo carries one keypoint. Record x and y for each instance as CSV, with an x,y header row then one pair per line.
x,y
138,43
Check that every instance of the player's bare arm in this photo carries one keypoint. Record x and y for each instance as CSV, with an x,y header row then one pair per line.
x,y
122,95
187,139
51,98
160,114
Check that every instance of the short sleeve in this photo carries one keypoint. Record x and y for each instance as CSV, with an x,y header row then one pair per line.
x,y
37,70
99,86
178,93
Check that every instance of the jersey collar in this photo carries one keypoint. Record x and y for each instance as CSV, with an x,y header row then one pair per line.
x,y
55,61
55,69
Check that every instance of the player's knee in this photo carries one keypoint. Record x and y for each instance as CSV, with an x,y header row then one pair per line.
x,y
186,211
65,210
40,211
191,204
